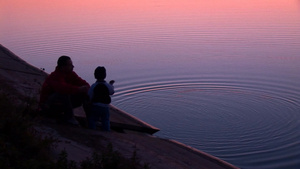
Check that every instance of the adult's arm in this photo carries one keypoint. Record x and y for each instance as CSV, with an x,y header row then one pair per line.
x,y
71,84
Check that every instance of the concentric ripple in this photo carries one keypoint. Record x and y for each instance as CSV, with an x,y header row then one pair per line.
x,y
251,122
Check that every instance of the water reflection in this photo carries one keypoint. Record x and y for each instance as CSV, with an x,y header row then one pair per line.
x,y
211,66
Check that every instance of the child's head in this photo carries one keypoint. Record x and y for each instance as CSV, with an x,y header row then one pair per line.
x,y
100,73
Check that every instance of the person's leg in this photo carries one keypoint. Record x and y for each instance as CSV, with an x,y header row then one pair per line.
x,y
93,117
105,118
68,108
78,100
81,100
59,103
87,106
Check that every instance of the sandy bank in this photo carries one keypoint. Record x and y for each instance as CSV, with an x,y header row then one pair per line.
x,y
22,81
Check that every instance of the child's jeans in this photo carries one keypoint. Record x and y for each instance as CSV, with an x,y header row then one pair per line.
x,y
96,113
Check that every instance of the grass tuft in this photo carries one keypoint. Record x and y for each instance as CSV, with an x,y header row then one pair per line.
x,y
21,147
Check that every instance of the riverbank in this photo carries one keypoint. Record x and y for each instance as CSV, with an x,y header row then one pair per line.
x,y
23,81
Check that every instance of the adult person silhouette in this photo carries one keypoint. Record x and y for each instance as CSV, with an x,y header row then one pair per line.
x,y
100,99
62,91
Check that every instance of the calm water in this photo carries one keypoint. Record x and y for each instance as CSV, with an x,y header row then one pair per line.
x,y
220,76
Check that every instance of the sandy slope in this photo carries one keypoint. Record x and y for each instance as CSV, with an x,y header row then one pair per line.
x,y
23,81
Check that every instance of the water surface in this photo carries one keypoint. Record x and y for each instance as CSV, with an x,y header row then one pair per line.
x,y
220,76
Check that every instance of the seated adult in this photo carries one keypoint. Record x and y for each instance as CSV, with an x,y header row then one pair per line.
x,y
62,91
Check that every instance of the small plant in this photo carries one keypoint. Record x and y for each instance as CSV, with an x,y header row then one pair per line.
x,y
22,147
64,163
113,160
92,163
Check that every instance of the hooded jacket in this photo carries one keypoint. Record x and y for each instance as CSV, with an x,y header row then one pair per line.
x,y
61,82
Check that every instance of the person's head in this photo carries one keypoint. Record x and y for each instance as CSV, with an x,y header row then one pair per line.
x,y
64,63
100,73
